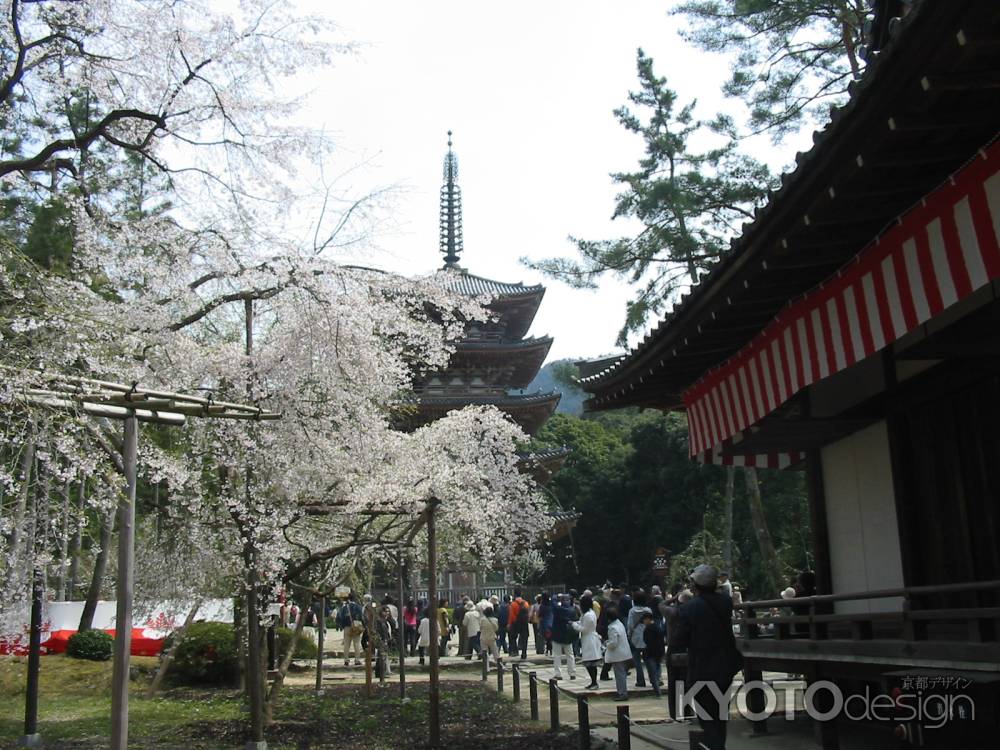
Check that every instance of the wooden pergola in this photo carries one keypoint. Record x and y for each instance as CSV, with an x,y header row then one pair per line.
x,y
131,404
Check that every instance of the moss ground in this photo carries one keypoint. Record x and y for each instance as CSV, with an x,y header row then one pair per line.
x,y
75,704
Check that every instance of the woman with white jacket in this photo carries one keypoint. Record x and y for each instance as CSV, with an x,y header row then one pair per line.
x,y
424,632
590,641
618,653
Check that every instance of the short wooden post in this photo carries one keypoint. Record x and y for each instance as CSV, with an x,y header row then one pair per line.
x,y
533,694
516,680
554,705
499,677
486,664
583,720
756,700
624,730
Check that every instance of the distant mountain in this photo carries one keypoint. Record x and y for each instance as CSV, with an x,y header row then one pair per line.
x,y
546,380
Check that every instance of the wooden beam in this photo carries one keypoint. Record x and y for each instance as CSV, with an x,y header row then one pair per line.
x,y
950,121
972,80
915,159
978,41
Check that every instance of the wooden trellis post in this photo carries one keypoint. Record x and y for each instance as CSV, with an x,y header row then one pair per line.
x,y
124,591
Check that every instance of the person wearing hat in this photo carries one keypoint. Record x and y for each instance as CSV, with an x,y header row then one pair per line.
x,y
705,626
471,624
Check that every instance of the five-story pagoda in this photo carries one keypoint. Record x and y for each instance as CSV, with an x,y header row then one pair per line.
x,y
493,358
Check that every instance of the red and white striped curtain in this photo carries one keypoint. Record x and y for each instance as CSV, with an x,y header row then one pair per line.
x,y
938,253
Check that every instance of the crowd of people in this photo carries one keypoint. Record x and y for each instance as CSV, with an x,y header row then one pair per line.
x,y
670,640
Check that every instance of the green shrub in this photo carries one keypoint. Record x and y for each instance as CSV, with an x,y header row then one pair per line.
x,y
206,654
304,649
95,645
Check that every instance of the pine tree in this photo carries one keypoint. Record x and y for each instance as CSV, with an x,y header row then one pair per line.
x,y
792,59
689,201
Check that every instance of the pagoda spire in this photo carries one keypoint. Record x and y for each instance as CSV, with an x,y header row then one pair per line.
x,y
451,210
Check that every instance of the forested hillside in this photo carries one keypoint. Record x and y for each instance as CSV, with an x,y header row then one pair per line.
x,y
636,489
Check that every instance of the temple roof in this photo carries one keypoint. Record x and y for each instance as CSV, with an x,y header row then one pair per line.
x,y
923,107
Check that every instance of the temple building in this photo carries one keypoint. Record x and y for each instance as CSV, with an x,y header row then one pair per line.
x,y
853,332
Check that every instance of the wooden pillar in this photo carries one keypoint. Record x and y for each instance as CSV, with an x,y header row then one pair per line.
x,y
255,688
434,710
817,520
124,587
320,633
401,629
31,736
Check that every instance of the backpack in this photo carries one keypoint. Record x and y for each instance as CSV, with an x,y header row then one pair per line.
x,y
637,639
522,613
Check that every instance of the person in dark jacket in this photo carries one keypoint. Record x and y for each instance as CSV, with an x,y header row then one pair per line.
x,y
706,629
676,657
502,611
545,621
563,636
653,649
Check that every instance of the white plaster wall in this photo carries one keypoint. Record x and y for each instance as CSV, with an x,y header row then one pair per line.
x,y
861,518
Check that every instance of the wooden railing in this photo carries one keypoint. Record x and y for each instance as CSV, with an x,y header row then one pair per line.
x,y
973,615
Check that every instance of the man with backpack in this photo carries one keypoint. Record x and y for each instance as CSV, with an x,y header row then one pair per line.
x,y
634,628
517,624
349,620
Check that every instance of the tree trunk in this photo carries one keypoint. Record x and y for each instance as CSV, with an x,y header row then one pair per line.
x,y
60,587
769,558
21,508
727,528
74,554
168,657
286,662
239,625
100,566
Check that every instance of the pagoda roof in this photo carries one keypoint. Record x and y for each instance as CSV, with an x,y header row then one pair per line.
x,y
469,284
924,106
543,464
530,411
563,522
524,357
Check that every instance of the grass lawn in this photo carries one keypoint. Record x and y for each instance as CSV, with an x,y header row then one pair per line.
x,y
75,704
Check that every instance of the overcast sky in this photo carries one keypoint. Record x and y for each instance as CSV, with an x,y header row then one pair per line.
x,y
528,89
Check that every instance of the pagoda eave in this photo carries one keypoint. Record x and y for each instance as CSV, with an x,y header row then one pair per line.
x,y
530,412
543,465
524,358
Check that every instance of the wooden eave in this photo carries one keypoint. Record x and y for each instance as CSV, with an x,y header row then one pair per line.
x,y
530,412
922,109
517,311
524,358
